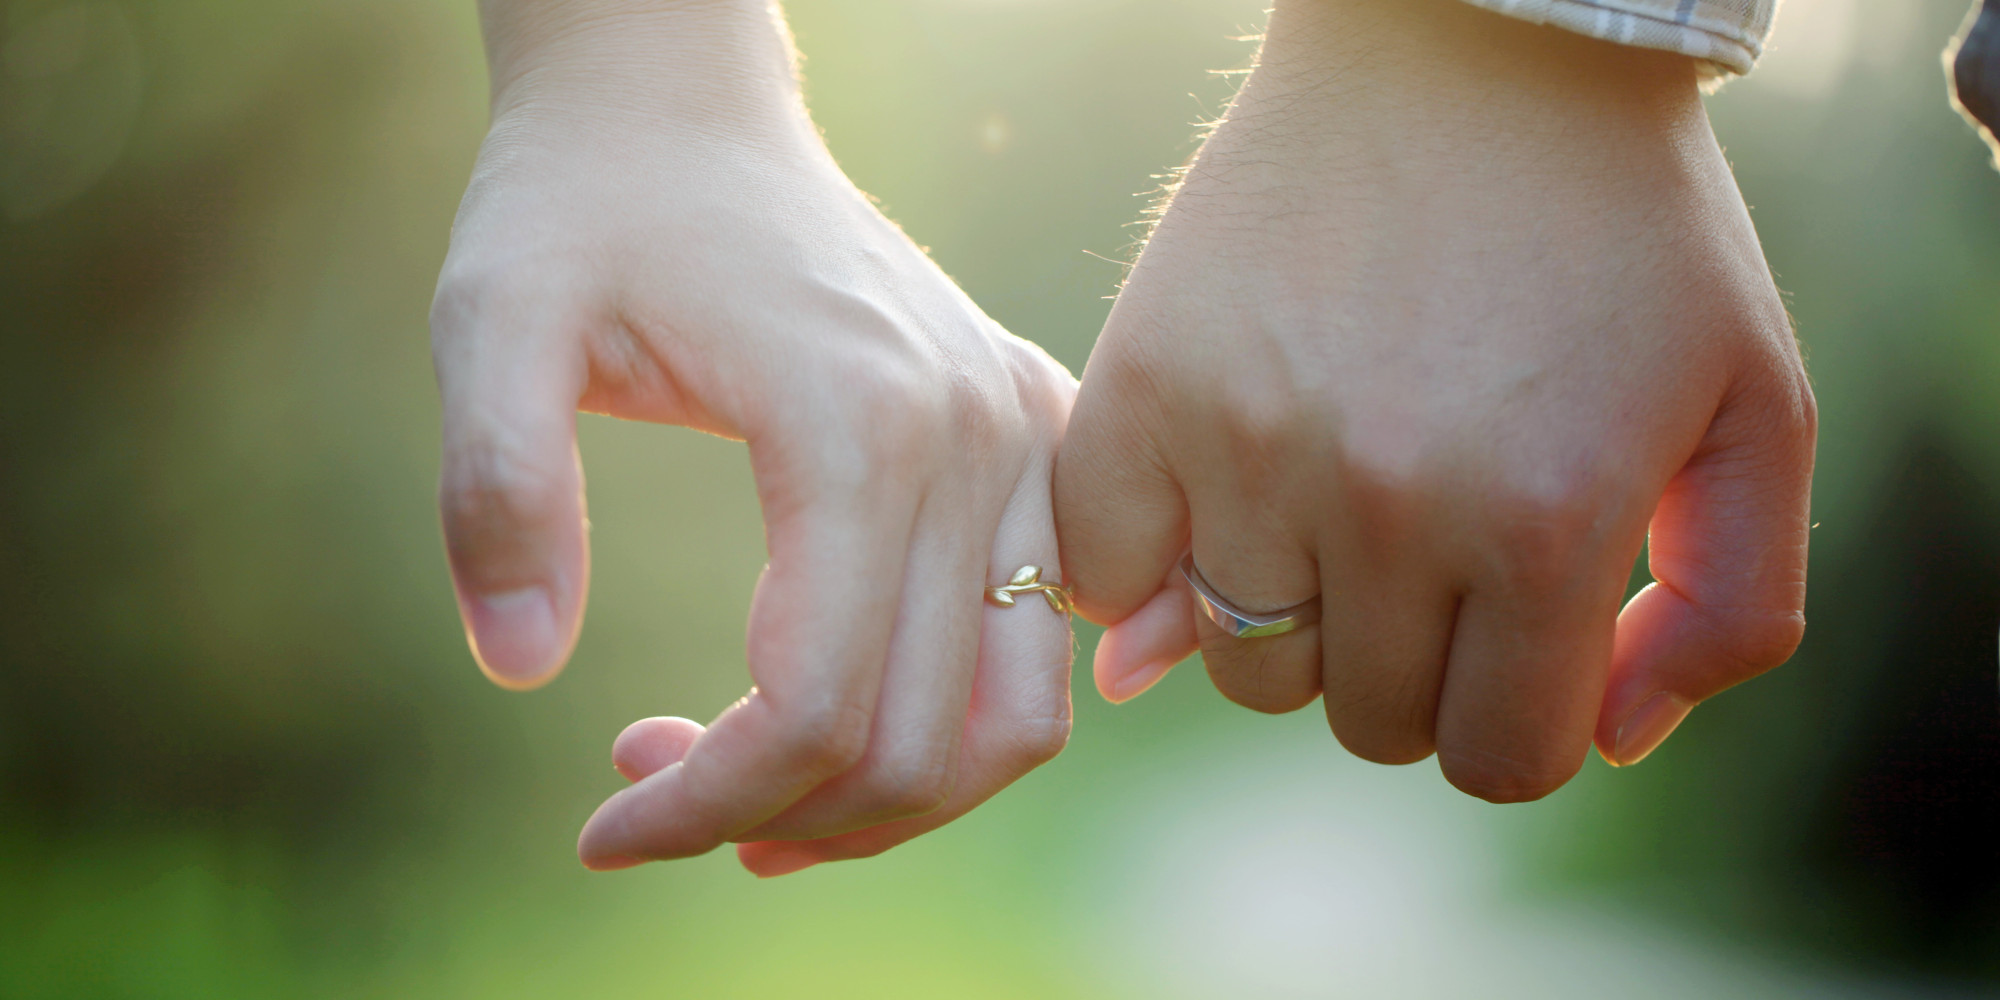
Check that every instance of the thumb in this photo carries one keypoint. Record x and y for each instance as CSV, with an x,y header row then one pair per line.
x,y
511,490
1122,524
1728,549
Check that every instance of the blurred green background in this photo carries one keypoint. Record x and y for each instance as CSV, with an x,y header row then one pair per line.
x,y
244,753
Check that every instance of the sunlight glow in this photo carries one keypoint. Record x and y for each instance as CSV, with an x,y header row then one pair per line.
x,y
1817,43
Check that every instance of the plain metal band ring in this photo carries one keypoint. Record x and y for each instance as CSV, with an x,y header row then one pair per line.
x,y
1243,624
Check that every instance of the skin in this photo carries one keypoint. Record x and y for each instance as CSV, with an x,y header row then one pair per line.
x,y
1448,314
655,231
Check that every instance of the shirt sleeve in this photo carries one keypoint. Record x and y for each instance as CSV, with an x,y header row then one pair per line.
x,y
1727,35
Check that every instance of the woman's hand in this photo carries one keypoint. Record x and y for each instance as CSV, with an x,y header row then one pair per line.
x,y
1445,314
654,231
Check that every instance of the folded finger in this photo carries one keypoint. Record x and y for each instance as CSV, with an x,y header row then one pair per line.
x,y
912,757
819,634
1529,656
1121,515
1019,717
1386,629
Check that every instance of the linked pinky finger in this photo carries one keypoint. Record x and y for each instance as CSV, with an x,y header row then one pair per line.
x,y
1136,653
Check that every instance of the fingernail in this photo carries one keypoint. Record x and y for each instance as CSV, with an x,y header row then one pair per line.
x,y
779,860
1134,684
514,636
1647,727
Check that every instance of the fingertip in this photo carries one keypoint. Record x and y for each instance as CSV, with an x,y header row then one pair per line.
x,y
517,636
1121,689
1667,658
652,745
1644,728
1646,636
603,844
599,847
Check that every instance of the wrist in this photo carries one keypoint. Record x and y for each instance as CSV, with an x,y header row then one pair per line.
x,y
1451,77
653,60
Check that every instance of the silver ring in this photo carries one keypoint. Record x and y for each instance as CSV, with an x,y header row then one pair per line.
x,y
1243,624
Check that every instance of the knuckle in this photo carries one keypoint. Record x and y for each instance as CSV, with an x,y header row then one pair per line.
x,y
827,736
909,784
1501,778
1252,421
1260,432
1758,639
1781,394
999,405
1806,411
1799,421
455,302
1041,383
471,290
456,308
1036,742
1543,534
494,487
1783,411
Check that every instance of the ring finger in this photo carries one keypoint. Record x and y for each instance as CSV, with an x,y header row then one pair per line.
x,y
1256,566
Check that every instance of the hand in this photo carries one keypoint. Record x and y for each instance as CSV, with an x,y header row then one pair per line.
x,y
1446,313
654,231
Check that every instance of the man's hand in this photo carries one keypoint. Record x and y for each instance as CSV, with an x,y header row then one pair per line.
x,y
1448,311
655,231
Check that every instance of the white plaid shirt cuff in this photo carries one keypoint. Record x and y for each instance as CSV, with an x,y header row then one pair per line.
x,y
1726,35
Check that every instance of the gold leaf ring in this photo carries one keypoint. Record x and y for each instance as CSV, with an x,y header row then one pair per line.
x,y
1028,580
